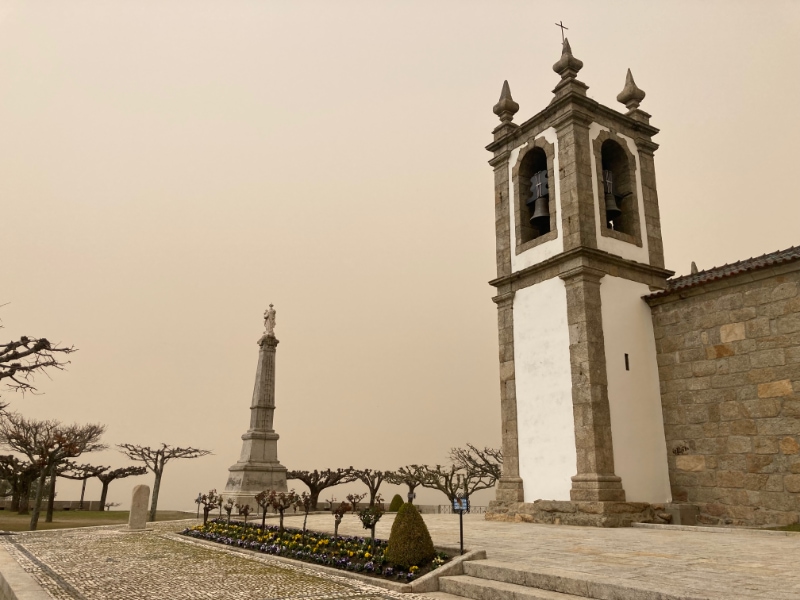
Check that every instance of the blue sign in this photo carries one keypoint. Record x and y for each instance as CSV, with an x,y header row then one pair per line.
x,y
460,504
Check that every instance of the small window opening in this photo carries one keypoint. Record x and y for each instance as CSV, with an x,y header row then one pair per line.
x,y
627,363
617,190
535,193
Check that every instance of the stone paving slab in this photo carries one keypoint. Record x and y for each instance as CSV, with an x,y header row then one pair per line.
x,y
111,563
738,565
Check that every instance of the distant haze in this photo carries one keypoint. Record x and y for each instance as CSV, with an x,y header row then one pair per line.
x,y
168,169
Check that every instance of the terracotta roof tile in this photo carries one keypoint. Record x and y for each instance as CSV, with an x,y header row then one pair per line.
x,y
751,264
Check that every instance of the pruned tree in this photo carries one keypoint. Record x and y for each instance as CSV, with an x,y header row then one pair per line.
x,y
321,480
410,476
48,444
83,473
210,501
487,463
20,475
444,479
155,459
480,469
55,472
21,360
107,477
372,479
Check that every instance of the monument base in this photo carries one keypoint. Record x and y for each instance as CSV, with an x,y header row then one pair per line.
x,y
565,512
246,480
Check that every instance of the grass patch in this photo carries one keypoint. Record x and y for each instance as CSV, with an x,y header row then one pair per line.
x,y
792,527
62,519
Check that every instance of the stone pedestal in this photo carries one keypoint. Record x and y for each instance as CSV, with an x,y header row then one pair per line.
x,y
258,468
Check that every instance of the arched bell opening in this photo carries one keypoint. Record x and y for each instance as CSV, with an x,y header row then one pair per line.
x,y
617,187
535,195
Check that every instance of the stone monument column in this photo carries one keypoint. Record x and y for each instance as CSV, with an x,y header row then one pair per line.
x,y
258,468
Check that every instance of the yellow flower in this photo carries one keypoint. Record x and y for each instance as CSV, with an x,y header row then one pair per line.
x,y
367,555
413,569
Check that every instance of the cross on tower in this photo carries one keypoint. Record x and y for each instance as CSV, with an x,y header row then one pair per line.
x,y
561,24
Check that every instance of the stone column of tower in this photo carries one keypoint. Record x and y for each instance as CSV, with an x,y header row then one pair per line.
x,y
578,244
258,468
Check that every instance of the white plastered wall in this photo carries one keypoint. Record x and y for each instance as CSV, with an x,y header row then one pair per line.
x,y
545,425
637,425
624,249
541,252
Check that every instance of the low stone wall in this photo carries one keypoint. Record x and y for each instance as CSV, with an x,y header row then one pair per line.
x,y
556,512
60,505
729,365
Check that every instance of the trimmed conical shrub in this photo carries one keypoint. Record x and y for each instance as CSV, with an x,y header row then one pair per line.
x,y
410,543
397,502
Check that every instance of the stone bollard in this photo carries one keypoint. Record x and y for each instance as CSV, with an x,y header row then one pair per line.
x,y
139,500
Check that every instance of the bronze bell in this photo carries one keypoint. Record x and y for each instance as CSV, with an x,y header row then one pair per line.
x,y
612,210
541,212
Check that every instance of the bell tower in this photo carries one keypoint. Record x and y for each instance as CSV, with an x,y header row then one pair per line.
x,y
578,244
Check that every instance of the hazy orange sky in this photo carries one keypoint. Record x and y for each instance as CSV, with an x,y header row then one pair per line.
x,y
168,169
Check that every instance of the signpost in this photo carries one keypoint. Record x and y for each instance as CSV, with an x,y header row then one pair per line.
x,y
461,505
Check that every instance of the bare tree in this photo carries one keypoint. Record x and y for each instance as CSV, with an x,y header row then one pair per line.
x,y
479,469
20,475
22,359
83,473
47,444
444,479
155,459
55,472
321,480
122,473
484,463
372,479
411,476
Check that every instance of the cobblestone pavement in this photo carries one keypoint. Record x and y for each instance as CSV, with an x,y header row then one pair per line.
x,y
740,565
105,563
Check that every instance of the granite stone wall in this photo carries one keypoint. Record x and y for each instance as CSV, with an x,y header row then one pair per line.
x,y
729,365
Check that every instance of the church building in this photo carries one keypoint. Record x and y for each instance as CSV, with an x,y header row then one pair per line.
x,y
628,394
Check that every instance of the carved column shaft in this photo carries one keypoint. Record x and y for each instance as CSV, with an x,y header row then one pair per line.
x,y
262,407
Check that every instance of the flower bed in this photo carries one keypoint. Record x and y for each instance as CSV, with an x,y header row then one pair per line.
x,y
345,553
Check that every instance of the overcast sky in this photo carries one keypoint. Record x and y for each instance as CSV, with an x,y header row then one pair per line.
x,y
168,169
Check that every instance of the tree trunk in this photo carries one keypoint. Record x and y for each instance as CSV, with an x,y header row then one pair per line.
x,y
206,510
15,496
281,520
37,504
104,495
263,518
24,497
314,498
83,493
51,498
154,501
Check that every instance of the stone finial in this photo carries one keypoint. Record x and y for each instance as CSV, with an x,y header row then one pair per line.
x,y
567,66
694,268
505,108
630,95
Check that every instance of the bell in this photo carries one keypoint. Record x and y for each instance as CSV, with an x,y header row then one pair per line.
x,y
541,214
612,210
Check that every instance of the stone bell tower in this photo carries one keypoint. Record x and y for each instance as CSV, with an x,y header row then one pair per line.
x,y
258,468
578,246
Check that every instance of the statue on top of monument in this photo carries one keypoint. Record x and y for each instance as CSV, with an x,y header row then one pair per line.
x,y
269,321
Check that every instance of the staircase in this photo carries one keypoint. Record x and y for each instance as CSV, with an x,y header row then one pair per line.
x,y
495,580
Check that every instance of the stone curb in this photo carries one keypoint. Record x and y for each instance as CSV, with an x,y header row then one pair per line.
x,y
15,583
701,529
427,583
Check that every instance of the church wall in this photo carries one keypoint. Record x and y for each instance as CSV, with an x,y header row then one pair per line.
x,y
729,365
547,456
637,426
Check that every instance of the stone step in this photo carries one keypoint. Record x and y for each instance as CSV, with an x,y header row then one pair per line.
x,y
487,589
569,583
